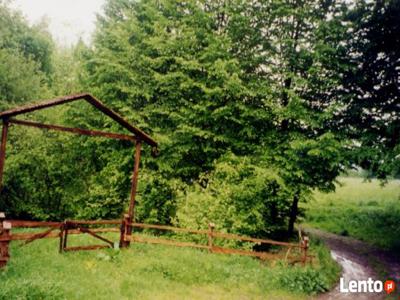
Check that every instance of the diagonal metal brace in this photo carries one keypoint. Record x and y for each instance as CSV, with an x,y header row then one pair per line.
x,y
38,236
88,231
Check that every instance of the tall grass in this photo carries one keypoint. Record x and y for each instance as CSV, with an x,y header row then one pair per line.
x,y
362,209
37,271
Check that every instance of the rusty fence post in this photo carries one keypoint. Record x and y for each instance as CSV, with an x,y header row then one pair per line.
x,y
305,244
3,150
123,229
5,237
65,228
211,227
61,235
131,212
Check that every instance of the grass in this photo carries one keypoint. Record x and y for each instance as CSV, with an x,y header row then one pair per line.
x,y
361,209
37,271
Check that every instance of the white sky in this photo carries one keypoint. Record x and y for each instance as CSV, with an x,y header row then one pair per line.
x,y
68,19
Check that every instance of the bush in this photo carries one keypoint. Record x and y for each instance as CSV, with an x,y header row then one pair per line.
x,y
238,197
304,280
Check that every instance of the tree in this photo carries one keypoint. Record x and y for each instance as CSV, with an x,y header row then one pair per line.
x,y
255,79
371,113
296,49
167,64
25,54
20,78
33,42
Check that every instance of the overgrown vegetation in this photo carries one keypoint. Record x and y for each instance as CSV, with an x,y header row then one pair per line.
x,y
364,210
37,271
255,106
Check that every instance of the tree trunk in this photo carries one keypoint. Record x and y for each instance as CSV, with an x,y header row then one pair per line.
x,y
293,213
285,102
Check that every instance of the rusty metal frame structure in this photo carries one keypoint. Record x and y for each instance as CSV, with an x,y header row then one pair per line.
x,y
137,136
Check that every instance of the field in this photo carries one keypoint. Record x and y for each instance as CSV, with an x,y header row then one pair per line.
x,y
38,271
361,209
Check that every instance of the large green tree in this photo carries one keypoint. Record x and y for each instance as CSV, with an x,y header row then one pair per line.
x,y
209,77
169,66
297,50
25,58
371,88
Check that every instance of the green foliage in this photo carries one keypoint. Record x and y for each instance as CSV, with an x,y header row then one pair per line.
x,y
245,100
25,67
33,42
205,84
309,281
157,198
25,58
67,70
237,196
371,87
313,163
20,78
174,68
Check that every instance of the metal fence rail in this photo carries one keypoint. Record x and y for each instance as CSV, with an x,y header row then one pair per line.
x,y
62,230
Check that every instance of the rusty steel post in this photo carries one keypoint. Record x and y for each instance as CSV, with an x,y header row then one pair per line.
x,y
61,236
65,235
211,227
3,150
305,249
123,228
131,212
5,228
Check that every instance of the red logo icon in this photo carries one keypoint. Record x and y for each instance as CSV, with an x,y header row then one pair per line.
x,y
389,286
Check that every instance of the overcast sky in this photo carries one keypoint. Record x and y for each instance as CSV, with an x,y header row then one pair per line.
x,y
68,19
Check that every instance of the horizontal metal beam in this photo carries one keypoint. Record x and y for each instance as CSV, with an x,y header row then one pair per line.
x,y
74,130
26,236
94,222
170,228
92,247
135,238
33,224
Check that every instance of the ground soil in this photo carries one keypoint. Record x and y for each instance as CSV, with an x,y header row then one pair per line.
x,y
359,261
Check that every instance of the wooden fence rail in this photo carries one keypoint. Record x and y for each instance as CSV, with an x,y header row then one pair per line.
x,y
62,230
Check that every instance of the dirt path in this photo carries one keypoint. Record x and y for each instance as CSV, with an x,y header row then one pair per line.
x,y
359,261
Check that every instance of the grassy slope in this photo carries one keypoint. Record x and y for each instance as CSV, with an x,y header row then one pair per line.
x,y
37,271
364,210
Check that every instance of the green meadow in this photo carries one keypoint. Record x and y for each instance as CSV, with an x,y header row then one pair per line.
x,y
38,271
366,210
